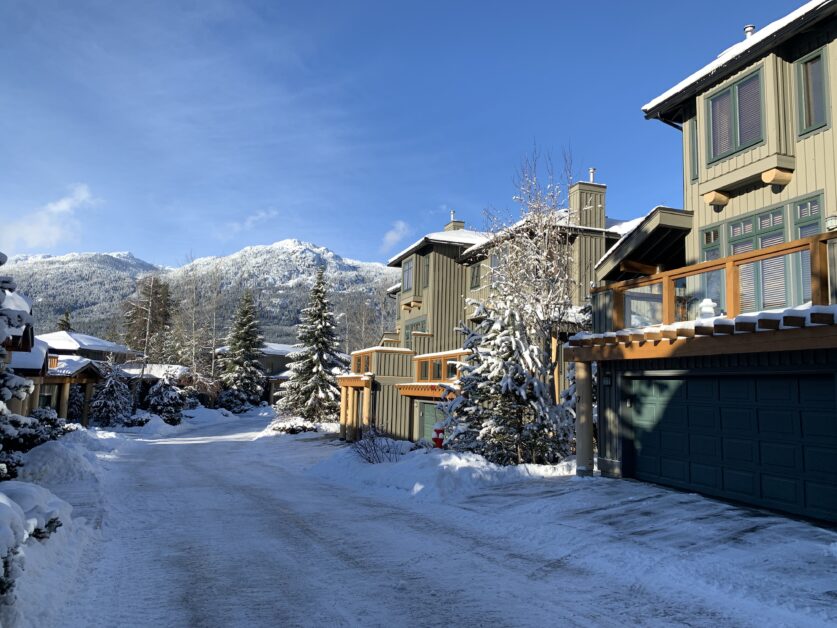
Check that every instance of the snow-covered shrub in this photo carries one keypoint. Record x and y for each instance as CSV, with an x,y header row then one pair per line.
x,y
12,536
165,400
19,434
112,404
293,426
233,400
52,426
374,448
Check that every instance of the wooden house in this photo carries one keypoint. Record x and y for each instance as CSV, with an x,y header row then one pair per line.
x,y
714,329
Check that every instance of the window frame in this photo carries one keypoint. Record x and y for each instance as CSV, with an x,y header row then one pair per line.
x,y
405,266
801,129
694,150
476,274
425,271
737,147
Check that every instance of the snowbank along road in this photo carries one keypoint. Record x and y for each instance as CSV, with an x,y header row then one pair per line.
x,y
220,526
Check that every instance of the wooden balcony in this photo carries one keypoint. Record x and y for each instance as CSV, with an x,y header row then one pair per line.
x,y
801,266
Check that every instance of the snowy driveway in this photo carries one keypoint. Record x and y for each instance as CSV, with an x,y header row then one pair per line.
x,y
214,528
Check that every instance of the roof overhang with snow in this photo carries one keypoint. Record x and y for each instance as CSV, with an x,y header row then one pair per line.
x,y
457,237
657,241
668,105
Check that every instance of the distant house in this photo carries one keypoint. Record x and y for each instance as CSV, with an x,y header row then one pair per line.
x,y
715,332
52,376
83,345
275,358
396,385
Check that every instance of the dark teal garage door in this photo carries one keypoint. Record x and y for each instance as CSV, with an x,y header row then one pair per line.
x,y
767,441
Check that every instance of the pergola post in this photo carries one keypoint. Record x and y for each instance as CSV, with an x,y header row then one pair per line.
x,y
64,401
367,407
584,418
88,397
344,399
351,419
35,397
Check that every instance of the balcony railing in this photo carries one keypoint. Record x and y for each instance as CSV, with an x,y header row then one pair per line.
x,y
784,275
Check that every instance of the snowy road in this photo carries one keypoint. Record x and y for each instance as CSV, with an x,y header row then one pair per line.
x,y
214,528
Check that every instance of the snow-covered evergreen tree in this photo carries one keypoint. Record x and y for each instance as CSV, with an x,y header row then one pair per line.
x,y
243,375
64,323
312,391
13,427
165,399
112,403
505,410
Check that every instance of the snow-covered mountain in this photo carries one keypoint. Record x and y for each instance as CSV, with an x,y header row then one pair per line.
x,y
92,286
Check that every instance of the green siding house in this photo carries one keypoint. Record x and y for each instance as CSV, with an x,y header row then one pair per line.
x,y
714,326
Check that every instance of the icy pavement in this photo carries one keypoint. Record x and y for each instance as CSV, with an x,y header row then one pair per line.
x,y
215,526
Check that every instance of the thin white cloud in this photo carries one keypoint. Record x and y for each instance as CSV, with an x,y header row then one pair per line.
x,y
399,231
234,228
46,227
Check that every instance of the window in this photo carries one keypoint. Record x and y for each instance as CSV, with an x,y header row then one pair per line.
x,y
366,368
711,243
424,371
356,365
693,149
407,275
409,328
807,217
811,93
452,371
763,285
735,117
425,271
437,370
475,276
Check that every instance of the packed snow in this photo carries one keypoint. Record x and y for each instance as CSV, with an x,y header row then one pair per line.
x,y
215,523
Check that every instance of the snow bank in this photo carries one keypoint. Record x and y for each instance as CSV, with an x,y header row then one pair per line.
x,y
297,425
13,527
430,474
39,505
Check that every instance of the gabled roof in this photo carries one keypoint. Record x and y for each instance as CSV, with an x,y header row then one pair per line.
x,y
32,360
71,365
74,341
156,371
465,237
740,55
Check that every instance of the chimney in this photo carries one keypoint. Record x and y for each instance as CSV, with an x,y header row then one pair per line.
x,y
454,224
587,202
749,29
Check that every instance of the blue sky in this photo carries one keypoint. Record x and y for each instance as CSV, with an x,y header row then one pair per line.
x,y
198,127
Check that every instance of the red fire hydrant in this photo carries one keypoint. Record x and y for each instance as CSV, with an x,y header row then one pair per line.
x,y
439,437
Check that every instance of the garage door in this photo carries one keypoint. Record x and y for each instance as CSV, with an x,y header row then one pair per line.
x,y
767,441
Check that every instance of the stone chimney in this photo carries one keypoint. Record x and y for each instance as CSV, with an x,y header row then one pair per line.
x,y
454,224
587,202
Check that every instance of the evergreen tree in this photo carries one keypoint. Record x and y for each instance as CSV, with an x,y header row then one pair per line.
x,y
312,391
506,411
112,401
75,406
243,375
165,399
147,317
64,323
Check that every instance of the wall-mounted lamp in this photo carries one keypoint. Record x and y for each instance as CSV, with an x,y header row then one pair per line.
x,y
831,223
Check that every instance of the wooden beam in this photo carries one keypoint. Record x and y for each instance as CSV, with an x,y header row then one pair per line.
x,y
793,321
822,318
777,176
716,198
800,339
745,326
724,328
630,266
769,323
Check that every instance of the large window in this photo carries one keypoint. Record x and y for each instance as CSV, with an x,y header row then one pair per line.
x,y
425,271
475,276
407,275
409,328
763,285
812,99
693,149
735,117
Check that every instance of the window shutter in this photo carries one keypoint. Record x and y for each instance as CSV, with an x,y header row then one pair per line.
x,y
749,111
773,280
746,278
721,110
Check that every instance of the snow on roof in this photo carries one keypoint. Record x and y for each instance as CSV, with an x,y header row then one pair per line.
x,y
384,350
17,301
626,228
74,341
394,288
157,371
737,49
457,236
30,360
69,365
268,348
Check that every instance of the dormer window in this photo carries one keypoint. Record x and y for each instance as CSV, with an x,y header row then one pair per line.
x,y
407,275
812,93
735,117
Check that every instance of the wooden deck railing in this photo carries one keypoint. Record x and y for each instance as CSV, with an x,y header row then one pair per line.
x,y
661,286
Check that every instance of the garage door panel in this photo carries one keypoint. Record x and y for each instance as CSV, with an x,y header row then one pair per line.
x,y
704,418
706,476
742,483
674,469
783,422
817,390
773,389
822,498
780,456
740,450
732,389
782,491
821,460
704,446
647,465
702,389
819,424
742,420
